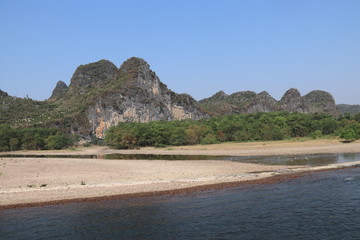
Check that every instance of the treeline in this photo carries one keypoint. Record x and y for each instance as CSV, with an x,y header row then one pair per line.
x,y
238,128
12,139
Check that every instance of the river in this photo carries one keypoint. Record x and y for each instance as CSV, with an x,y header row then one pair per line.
x,y
322,205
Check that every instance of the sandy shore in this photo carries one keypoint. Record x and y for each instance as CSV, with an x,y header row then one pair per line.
x,y
39,180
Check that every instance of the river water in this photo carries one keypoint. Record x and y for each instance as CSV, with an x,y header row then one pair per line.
x,y
323,205
299,160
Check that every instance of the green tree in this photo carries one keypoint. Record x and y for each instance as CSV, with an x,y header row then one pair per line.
x,y
348,134
58,141
14,144
209,139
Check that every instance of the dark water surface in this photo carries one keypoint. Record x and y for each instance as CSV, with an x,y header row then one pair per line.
x,y
308,160
318,206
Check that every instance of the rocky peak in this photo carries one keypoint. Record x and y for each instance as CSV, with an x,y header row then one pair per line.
x,y
137,95
135,75
291,94
92,75
264,94
59,89
243,98
221,95
321,101
3,94
292,101
134,65
263,102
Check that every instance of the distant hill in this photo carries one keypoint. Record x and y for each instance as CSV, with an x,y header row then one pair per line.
x,y
346,108
251,102
100,95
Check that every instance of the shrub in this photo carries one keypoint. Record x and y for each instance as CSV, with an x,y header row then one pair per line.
x,y
58,141
316,134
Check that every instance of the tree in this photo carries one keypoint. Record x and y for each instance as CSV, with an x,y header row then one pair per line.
x,y
58,141
348,134
14,144
209,139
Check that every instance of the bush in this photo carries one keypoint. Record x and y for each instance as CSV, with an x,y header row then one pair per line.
x,y
316,134
58,141
348,134
209,139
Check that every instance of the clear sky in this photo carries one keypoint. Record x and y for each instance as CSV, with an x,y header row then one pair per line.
x,y
195,46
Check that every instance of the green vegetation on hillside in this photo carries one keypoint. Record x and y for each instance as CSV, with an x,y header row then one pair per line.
x,y
349,109
12,139
238,128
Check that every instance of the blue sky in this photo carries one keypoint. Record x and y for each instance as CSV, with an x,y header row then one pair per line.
x,y
197,47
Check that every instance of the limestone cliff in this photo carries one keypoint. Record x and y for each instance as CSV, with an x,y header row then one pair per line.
x,y
292,101
133,93
100,95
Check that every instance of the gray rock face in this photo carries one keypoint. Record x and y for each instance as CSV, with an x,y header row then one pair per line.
x,y
293,102
263,103
139,96
320,101
60,88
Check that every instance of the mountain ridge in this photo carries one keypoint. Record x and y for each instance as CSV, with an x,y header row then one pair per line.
x,y
250,102
101,95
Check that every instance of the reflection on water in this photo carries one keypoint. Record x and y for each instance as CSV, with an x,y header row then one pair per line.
x,y
319,206
301,160
308,160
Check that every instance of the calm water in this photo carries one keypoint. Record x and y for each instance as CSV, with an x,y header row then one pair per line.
x,y
318,206
309,160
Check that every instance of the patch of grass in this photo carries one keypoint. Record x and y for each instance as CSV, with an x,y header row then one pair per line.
x,y
43,185
73,149
83,183
31,185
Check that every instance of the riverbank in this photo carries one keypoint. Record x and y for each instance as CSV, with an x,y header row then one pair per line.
x,y
37,181
265,148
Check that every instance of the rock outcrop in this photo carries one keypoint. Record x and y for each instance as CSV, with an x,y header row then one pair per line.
x,y
60,89
91,77
132,93
251,102
320,101
292,101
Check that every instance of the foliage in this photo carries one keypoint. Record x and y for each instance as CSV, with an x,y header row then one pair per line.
x,y
351,132
58,141
12,139
243,127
